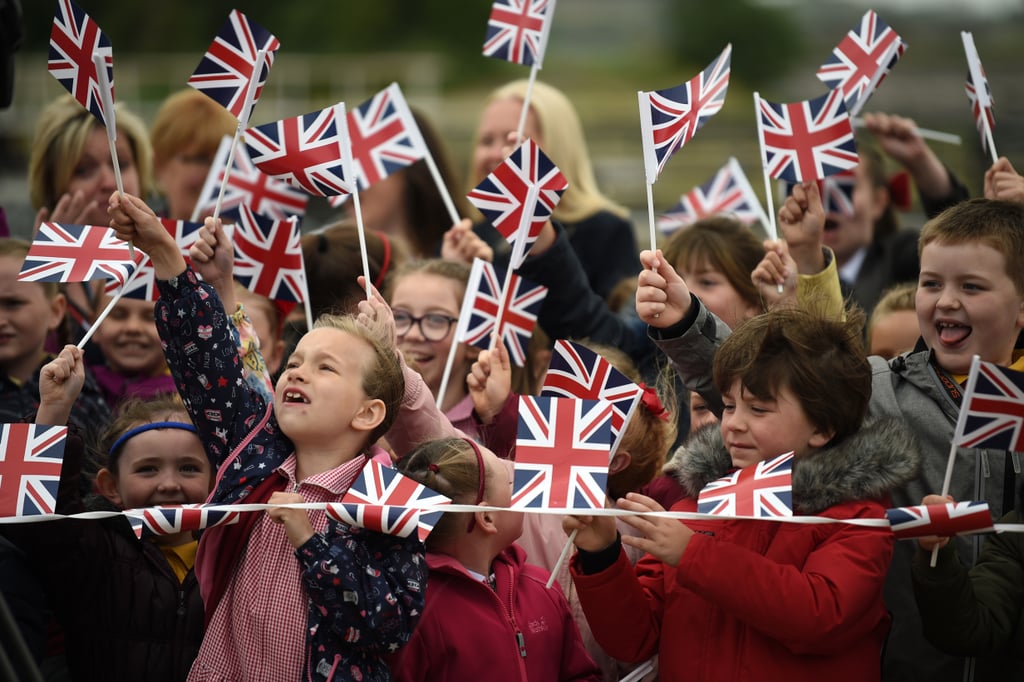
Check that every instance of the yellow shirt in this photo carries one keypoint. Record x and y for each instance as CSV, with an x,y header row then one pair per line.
x,y
181,558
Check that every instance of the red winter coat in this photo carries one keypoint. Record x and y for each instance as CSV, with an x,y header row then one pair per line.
x,y
520,630
762,600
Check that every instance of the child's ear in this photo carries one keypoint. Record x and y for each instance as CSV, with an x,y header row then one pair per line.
x,y
485,520
370,415
106,483
820,439
620,461
1020,315
58,306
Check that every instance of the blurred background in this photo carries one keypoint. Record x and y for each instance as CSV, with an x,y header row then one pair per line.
x,y
600,53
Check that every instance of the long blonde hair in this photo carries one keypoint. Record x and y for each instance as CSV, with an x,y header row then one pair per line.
x,y
565,145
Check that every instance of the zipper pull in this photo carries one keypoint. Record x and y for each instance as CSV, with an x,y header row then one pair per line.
x,y
522,643
181,603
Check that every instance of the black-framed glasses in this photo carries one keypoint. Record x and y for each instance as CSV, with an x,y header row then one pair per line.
x,y
433,326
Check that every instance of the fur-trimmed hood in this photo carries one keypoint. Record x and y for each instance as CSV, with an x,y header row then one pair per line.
x,y
881,456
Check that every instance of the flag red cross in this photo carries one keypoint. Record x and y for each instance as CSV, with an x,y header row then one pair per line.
x,y
225,53
801,139
562,442
506,175
866,64
278,253
363,146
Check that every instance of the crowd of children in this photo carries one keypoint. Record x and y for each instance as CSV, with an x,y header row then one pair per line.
x,y
202,396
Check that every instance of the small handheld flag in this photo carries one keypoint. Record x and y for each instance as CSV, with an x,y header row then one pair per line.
x,y
764,490
74,40
31,457
77,253
578,372
517,31
562,453
861,60
229,65
980,95
944,520
304,151
519,196
670,118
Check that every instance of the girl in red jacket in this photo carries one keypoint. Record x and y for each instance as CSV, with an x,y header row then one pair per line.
x,y
750,599
488,615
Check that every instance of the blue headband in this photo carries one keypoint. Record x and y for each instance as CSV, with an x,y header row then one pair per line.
x,y
149,427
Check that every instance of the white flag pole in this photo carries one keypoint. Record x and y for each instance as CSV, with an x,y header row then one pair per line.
x,y
110,123
773,232
472,289
243,123
980,88
526,104
958,432
113,301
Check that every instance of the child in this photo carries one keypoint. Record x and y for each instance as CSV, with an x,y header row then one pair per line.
x,y
893,327
488,615
750,599
134,364
970,300
288,593
637,460
130,609
977,612
29,312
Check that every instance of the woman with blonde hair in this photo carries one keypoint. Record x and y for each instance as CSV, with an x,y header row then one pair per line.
x,y
599,229
70,170
71,176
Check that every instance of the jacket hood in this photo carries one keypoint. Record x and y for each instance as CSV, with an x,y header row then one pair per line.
x,y
881,456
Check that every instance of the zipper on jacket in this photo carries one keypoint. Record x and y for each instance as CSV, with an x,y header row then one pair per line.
x,y
181,603
521,641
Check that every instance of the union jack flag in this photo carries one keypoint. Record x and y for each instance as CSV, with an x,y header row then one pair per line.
x,y
995,409
386,501
836,192
764,490
517,31
562,453
480,310
225,71
670,118
385,137
142,285
578,372
268,256
858,59
247,185
178,518
519,196
981,97
728,192
31,456
944,520
306,151
806,140
74,39
77,253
